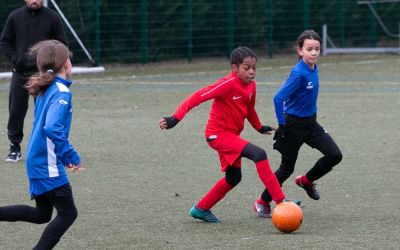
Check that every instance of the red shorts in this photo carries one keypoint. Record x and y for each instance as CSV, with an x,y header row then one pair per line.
x,y
229,147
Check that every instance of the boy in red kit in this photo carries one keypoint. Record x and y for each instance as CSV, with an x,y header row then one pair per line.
x,y
234,100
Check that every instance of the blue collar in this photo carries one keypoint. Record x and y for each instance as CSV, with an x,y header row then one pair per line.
x,y
308,67
63,81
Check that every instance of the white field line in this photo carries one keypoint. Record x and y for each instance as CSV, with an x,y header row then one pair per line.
x,y
160,78
201,73
146,78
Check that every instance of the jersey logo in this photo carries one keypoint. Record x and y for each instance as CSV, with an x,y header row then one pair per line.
x,y
309,85
63,102
211,138
236,97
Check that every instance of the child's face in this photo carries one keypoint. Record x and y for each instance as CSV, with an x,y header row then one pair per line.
x,y
246,71
310,51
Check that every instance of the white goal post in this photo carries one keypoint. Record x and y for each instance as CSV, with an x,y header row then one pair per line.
x,y
334,50
78,70
75,70
351,50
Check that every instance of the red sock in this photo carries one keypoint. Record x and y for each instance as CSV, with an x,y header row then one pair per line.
x,y
216,193
270,181
305,181
263,202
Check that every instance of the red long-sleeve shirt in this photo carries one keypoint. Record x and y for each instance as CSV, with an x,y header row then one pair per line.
x,y
234,101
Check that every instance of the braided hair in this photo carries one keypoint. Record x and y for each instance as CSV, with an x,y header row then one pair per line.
x,y
240,53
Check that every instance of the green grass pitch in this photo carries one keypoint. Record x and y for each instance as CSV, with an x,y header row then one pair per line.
x,y
140,182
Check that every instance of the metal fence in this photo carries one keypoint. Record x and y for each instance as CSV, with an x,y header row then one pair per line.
x,y
141,31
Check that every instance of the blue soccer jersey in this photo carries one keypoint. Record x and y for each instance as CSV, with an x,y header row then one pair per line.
x,y
298,95
49,150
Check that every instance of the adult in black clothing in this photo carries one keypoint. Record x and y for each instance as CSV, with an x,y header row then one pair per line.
x,y
25,27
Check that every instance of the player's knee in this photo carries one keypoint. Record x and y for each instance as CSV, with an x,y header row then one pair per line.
x,y
43,218
260,155
254,153
282,174
73,214
287,165
336,158
233,176
69,215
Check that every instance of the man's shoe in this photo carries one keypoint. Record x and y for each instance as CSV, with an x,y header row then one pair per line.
x,y
204,215
311,189
262,210
15,153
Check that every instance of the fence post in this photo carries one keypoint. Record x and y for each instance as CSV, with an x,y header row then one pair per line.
x,y
341,22
306,14
97,45
230,27
324,39
373,25
143,32
190,29
270,27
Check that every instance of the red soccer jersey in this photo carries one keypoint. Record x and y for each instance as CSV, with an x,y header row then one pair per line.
x,y
234,101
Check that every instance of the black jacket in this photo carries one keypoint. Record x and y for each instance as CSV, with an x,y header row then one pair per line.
x,y
25,27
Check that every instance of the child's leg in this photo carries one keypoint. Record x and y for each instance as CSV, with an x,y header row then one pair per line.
x,y
270,181
233,175
289,147
259,156
38,215
282,173
332,154
66,214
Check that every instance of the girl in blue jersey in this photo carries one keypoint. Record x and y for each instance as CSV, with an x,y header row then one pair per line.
x,y
49,150
296,112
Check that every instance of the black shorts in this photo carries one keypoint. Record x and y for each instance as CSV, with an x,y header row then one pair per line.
x,y
61,191
298,131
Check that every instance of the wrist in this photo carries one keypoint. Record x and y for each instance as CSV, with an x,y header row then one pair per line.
x,y
265,129
171,121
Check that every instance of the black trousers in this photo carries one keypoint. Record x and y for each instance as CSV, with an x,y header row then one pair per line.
x,y
297,132
61,198
18,101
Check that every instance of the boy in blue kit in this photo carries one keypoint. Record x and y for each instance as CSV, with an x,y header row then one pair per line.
x,y
49,150
296,112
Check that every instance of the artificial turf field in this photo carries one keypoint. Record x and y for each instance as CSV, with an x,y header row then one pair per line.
x,y
140,182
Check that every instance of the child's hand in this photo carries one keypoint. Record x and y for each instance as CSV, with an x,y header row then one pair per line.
x,y
266,130
168,122
280,132
75,168
163,124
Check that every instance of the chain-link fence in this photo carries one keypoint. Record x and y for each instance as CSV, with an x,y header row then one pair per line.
x,y
141,31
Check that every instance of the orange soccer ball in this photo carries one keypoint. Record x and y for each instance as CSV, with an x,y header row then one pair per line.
x,y
287,217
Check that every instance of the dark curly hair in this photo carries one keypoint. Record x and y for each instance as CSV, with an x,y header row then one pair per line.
x,y
240,53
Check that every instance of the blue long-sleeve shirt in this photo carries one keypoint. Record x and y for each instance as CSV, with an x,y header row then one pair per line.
x,y
298,95
49,150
